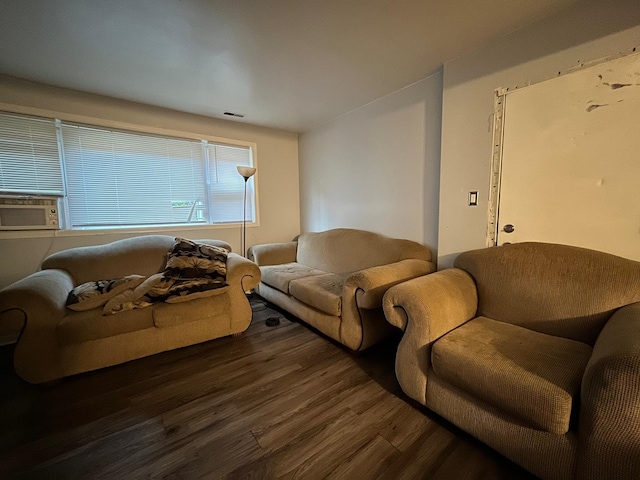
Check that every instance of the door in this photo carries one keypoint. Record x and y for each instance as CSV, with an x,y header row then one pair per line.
x,y
570,170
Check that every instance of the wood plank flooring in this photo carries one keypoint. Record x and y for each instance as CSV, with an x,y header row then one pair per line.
x,y
277,402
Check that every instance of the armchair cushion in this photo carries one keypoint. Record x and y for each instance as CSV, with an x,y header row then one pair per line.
x,y
533,376
280,276
323,292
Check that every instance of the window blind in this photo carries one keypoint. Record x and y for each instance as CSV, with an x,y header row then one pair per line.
x,y
29,156
124,178
121,178
226,185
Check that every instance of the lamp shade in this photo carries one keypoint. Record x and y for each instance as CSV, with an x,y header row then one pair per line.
x,y
246,172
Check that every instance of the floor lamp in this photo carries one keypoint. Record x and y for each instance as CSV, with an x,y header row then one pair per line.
x,y
247,173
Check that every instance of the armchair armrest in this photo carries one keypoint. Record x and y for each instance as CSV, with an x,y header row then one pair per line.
x,y
274,253
242,272
375,281
609,430
426,308
435,304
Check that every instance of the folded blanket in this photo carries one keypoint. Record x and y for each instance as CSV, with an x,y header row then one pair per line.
x,y
193,270
159,288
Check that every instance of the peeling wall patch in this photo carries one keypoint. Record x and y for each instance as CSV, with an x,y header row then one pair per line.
x,y
615,86
591,108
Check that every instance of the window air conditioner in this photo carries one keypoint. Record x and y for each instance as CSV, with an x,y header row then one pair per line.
x,y
29,213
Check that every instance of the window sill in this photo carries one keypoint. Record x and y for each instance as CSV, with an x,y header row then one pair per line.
x,y
17,234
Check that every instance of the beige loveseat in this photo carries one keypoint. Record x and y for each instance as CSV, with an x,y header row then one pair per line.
x,y
56,341
534,349
335,280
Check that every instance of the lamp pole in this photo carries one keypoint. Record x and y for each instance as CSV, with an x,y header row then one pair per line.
x,y
246,173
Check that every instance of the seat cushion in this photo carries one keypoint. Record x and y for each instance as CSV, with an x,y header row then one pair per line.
x,y
78,327
279,276
323,292
533,376
216,308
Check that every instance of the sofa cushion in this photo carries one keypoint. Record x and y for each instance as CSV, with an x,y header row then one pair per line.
x,y
215,309
323,292
78,327
279,276
530,375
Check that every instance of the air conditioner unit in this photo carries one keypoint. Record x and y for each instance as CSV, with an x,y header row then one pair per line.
x,y
29,213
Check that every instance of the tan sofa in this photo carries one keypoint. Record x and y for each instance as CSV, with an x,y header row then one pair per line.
x,y
534,349
335,280
56,342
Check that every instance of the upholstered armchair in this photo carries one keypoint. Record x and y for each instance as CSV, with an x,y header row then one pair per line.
x,y
535,350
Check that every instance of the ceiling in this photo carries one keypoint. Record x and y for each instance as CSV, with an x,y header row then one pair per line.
x,y
289,64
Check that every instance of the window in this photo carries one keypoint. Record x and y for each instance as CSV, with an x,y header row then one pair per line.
x,y
29,159
112,178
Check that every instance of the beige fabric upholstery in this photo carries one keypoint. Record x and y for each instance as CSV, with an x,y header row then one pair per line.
x,y
144,255
532,376
547,455
172,314
610,416
337,278
322,292
327,324
78,327
345,250
374,282
426,308
560,319
56,342
279,276
274,253
581,288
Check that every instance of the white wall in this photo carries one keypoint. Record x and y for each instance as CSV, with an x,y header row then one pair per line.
x,y
277,177
377,167
589,31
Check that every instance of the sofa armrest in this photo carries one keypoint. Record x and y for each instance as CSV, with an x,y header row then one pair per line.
x,y
426,308
609,429
242,272
274,253
40,302
42,297
375,281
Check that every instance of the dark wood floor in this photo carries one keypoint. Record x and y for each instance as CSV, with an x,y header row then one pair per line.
x,y
277,402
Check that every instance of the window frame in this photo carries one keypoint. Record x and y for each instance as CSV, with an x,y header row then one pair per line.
x,y
66,231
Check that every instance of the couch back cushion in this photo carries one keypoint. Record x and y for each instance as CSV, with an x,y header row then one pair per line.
x,y
555,289
343,251
144,255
